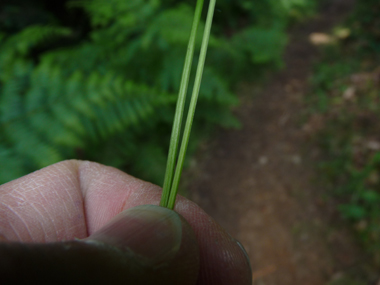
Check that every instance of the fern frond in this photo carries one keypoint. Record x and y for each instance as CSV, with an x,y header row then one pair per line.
x,y
161,28
51,115
124,13
95,99
261,45
32,36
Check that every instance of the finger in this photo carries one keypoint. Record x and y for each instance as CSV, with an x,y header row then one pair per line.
x,y
142,245
73,199
223,259
64,201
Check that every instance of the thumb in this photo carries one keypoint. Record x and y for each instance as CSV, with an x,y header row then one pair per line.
x,y
158,242
142,245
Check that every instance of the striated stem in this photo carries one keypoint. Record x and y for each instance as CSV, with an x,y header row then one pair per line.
x,y
193,104
176,131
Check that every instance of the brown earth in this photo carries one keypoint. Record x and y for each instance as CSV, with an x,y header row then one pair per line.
x,y
259,182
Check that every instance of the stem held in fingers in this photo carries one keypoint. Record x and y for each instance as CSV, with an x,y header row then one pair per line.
x,y
175,164
176,131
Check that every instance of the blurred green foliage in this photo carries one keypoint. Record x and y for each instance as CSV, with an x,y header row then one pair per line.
x,y
346,114
98,79
365,25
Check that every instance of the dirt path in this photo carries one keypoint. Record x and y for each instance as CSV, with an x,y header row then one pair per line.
x,y
258,181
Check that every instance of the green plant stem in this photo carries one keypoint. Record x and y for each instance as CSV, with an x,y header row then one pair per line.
x,y
174,141
193,103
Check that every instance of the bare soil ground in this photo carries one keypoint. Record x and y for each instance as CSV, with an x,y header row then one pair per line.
x,y
260,182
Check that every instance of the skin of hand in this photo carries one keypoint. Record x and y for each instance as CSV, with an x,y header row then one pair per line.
x,y
80,222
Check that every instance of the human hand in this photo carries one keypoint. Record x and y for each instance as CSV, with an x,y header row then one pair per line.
x,y
83,223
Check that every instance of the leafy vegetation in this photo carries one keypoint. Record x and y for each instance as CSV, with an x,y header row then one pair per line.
x,y
346,115
97,79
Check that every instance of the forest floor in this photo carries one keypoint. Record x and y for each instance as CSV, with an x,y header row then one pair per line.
x,y
261,184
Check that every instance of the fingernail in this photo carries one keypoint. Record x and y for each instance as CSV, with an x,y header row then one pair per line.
x,y
245,253
151,233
